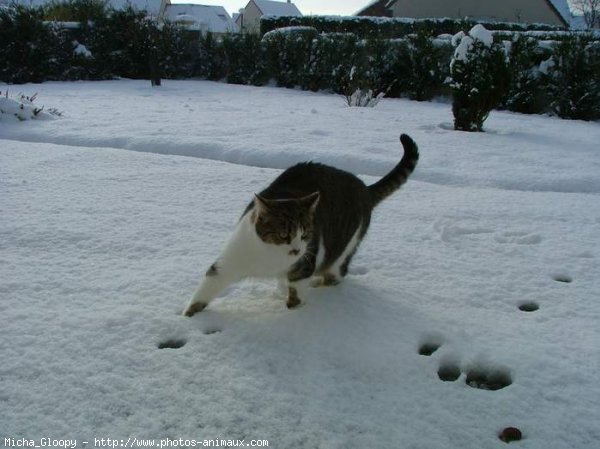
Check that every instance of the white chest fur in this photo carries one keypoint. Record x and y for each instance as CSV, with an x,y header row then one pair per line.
x,y
247,255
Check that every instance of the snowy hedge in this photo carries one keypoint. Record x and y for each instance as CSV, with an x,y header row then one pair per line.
x,y
116,43
538,76
390,27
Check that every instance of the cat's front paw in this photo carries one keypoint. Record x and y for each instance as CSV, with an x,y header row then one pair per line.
x,y
292,303
192,309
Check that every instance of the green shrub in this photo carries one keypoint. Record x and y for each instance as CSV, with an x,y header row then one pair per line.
x,y
395,27
211,58
428,67
288,56
178,51
385,65
245,59
574,80
479,78
29,50
525,92
346,64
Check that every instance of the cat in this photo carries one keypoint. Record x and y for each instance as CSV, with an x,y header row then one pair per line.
x,y
303,229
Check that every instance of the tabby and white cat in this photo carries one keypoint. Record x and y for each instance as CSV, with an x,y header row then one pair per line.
x,y
304,227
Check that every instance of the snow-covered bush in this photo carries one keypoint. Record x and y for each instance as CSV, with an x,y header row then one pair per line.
x,y
287,56
245,57
526,92
210,63
363,98
23,108
29,50
574,78
479,78
427,67
319,66
387,65
346,65
388,27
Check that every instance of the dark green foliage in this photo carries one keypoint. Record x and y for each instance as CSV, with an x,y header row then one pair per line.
x,y
574,80
427,67
288,55
386,64
178,51
380,27
478,85
358,55
122,43
346,64
128,43
29,50
80,11
245,59
525,91
211,59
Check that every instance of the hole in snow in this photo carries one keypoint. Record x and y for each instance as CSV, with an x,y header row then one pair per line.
x,y
211,331
449,372
510,434
561,277
488,379
529,307
171,344
428,348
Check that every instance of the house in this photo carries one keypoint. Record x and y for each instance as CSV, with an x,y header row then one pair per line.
x,y
202,18
249,17
197,18
377,8
552,12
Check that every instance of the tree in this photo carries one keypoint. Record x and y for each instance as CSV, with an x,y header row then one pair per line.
x,y
590,9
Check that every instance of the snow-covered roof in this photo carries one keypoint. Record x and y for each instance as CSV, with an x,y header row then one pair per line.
x,y
201,17
272,8
562,7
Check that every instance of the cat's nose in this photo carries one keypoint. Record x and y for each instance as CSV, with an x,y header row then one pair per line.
x,y
294,252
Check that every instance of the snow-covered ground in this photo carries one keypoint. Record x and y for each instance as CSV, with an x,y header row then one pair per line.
x,y
100,249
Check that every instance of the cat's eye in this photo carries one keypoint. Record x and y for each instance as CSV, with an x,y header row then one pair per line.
x,y
283,235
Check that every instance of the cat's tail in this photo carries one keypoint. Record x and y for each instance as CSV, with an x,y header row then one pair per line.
x,y
398,176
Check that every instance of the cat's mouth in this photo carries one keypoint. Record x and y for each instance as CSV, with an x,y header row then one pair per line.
x,y
294,252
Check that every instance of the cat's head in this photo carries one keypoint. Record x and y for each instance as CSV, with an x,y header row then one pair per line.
x,y
286,221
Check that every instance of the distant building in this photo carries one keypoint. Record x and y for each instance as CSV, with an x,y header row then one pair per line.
x,y
249,17
196,18
202,18
377,8
552,12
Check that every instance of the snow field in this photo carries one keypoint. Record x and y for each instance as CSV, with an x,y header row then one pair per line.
x,y
101,248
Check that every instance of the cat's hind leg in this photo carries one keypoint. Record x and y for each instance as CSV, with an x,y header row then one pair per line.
x,y
334,274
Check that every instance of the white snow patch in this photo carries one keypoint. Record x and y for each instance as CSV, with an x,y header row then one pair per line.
x,y
100,249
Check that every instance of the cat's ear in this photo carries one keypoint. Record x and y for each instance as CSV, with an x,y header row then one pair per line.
x,y
311,201
261,204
